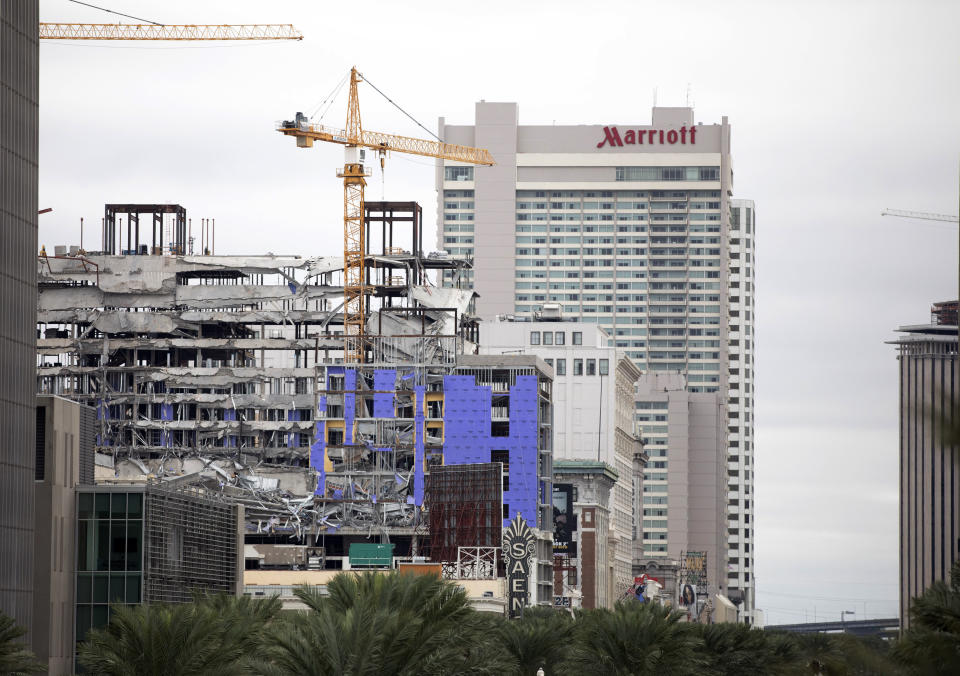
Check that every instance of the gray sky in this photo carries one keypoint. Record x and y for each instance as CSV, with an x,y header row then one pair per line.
x,y
838,109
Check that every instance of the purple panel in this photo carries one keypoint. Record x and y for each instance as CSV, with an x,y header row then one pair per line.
x,y
318,447
349,404
418,417
524,454
466,419
166,411
384,383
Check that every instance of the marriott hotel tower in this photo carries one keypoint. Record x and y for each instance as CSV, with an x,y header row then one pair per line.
x,y
632,227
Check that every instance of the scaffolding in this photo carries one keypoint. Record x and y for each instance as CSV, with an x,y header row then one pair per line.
x,y
465,508
192,543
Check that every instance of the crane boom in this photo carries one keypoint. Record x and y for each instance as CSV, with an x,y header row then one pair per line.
x,y
121,31
920,214
390,142
353,136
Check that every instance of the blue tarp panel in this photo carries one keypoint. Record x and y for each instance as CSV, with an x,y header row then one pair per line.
x,y
384,380
418,451
466,421
349,404
293,438
166,414
230,414
318,447
524,456
467,438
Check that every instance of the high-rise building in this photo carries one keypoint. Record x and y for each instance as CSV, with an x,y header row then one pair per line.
x,y
630,227
741,343
929,464
19,84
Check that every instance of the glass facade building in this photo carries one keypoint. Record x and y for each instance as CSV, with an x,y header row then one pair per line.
x,y
109,555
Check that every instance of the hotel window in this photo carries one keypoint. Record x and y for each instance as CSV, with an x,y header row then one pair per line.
x,y
577,338
591,367
578,367
547,335
458,173
561,338
534,337
561,367
604,367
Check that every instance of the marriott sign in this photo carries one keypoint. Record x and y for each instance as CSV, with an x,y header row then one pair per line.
x,y
611,136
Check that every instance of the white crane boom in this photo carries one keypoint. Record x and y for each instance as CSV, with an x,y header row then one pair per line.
x,y
920,214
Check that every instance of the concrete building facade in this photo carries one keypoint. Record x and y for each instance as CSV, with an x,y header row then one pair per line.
x,y
630,227
593,421
929,463
19,96
64,461
685,484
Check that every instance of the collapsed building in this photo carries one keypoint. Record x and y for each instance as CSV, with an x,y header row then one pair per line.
x,y
228,372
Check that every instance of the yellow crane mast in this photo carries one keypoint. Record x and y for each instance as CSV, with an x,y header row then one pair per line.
x,y
354,137
123,31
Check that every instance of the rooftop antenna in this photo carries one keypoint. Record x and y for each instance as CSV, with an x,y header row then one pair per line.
x,y
654,97
689,105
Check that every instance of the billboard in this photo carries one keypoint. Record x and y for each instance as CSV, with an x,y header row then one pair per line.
x,y
564,521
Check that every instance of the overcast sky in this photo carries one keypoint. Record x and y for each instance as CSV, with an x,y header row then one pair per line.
x,y
838,110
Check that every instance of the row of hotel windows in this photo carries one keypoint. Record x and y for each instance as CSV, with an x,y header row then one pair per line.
x,y
603,206
622,173
635,239
554,337
621,298
621,274
620,251
620,263
624,286
617,195
589,217
628,229
668,173
561,366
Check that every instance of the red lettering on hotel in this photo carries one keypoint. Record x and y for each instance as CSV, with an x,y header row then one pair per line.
x,y
611,136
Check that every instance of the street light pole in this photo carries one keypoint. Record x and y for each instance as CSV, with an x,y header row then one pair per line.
x,y
843,615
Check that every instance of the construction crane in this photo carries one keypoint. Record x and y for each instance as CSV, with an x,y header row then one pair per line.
x,y
920,214
355,138
122,31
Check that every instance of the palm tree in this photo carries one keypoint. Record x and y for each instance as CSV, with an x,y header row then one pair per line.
x,y
389,624
541,638
932,644
633,640
821,654
734,649
15,658
213,635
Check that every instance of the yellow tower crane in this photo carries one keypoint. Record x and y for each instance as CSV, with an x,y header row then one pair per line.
x,y
354,137
124,31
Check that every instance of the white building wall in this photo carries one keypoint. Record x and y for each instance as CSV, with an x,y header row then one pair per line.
x,y
741,396
592,409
